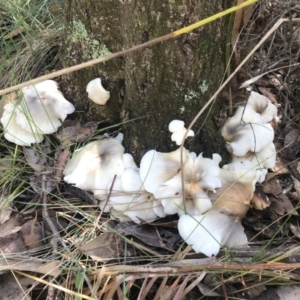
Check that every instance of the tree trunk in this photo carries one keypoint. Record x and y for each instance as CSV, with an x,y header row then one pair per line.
x,y
170,80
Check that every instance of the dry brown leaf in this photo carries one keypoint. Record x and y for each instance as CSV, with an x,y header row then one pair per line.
x,y
12,244
10,227
37,157
295,230
31,264
272,186
282,205
14,287
32,234
76,133
61,159
108,245
292,138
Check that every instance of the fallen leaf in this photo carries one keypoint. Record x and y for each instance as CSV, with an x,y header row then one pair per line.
x,y
14,287
292,138
282,205
108,245
32,234
272,186
31,264
77,133
10,227
12,244
37,157
61,159
153,236
295,230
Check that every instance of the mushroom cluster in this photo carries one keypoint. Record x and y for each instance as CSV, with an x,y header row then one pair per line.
x,y
249,133
39,110
210,201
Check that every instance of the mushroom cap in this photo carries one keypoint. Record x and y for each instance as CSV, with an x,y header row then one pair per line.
x,y
242,117
94,166
43,108
266,158
263,106
178,130
96,92
176,125
13,132
207,233
251,137
156,168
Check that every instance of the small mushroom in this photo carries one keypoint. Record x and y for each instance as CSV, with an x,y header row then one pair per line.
x,y
178,131
96,92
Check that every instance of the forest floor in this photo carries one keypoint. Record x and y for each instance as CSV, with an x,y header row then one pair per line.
x,y
55,243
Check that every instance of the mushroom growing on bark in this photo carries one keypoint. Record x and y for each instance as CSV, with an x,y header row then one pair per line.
x,y
96,92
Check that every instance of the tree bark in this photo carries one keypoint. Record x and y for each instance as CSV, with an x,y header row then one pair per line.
x,y
170,80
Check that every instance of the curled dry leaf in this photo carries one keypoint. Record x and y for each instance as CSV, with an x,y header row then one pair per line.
x,y
108,245
61,159
32,234
272,186
282,205
77,133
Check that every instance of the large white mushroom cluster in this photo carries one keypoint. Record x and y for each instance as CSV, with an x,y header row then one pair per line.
x,y
39,110
210,201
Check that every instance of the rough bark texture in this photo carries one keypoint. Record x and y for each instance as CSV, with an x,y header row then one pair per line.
x,y
171,80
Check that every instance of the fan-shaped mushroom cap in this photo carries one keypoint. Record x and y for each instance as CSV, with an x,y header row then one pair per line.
x,y
200,174
156,168
266,158
263,106
96,92
178,131
43,108
207,233
13,132
251,137
94,166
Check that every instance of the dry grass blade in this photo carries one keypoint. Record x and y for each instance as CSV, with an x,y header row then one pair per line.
x,y
161,288
194,283
145,290
179,293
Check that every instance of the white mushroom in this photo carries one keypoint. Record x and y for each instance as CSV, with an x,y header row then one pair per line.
x,y
13,132
96,92
40,110
43,108
156,168
178,131
207,233
94,166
